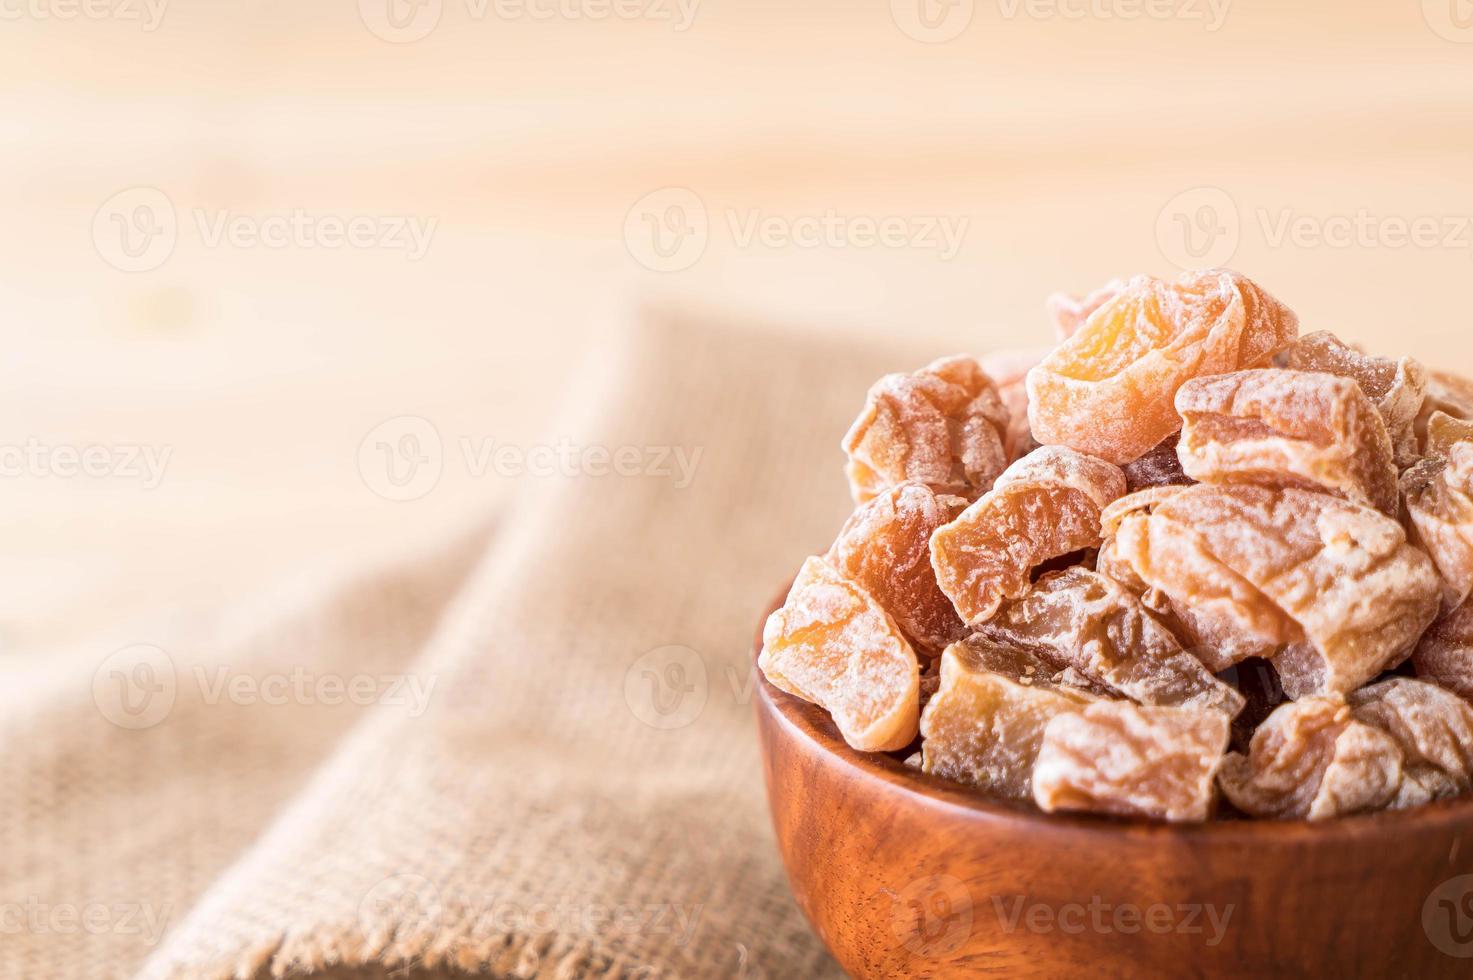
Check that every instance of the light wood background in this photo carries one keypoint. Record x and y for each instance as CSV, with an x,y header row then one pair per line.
x,y
1065,142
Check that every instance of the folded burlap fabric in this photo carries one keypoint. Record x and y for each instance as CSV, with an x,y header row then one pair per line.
x,y
574,790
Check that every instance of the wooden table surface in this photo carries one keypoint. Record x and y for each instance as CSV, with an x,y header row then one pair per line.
x,y
1062,143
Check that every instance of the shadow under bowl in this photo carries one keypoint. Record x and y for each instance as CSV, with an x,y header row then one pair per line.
x,y
908,875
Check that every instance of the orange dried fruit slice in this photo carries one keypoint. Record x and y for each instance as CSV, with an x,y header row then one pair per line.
x,y
832,644
1109,390
1042,507
1397,388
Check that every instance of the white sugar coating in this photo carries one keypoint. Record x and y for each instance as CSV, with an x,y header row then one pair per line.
x,y
1070,312
1142,501
1118,757
832,644
943,426
984,725
1344,573
1432,727
1287,428
1081,620
1060,466
1438,493
1397,387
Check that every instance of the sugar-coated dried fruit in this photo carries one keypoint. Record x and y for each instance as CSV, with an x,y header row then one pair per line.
x,y
1044,506
1445,654
1008,369
1121,758
1287,428
943,426
831,643
1335,582
1432,727
1081,619
1439,503
1396,388
984,725
1070,312
1161,467
1444,432
885,546
1109,390
1311,760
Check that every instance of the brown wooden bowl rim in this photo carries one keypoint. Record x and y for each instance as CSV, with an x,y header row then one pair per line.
x,y
810,723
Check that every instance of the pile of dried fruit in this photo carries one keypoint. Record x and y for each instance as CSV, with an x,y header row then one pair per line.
x,y
1187,563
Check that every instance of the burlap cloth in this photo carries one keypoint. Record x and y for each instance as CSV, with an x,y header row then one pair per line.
x,y
581,794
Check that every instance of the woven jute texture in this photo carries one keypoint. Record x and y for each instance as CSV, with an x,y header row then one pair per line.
x,y
576,790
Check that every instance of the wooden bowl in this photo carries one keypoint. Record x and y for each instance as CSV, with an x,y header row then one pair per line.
x,y
908,875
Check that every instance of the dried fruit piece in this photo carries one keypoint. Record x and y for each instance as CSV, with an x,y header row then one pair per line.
x,y
1161,467
1335,581
885,547
1432,727
984,725
1312,759
1439,501
1044,506
1109,390
1070,312
1008,369
1444,432
831,643
1396,388
1445,653
943,426
1117,757
1078,618
1287,428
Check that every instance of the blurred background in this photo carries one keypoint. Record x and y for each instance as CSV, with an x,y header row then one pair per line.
x,y
260,257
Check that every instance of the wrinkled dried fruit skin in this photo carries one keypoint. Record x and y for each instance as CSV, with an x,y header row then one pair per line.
x,y
1080,619
1341,576
1432,727
1008,369
1117,757
1439,504
885,547
1312,760
1397,388
984,725
1109,390
1445,653
1045,505
1218,613
1444,432
1069,312
1161,467
1446,393
831,643
943,426
1287,428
